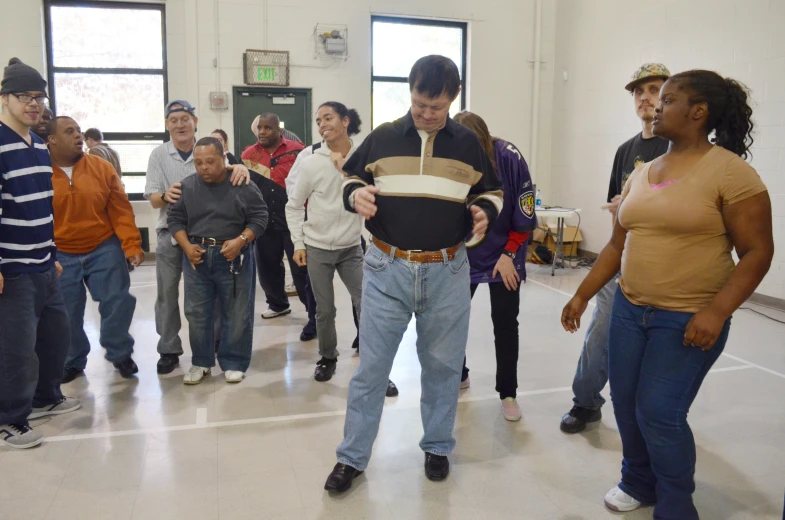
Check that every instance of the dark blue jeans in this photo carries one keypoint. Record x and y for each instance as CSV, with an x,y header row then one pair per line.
x,y
33,344
104,272
213,281
654,380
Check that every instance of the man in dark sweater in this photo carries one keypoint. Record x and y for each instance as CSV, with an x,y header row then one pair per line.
x,y
215,224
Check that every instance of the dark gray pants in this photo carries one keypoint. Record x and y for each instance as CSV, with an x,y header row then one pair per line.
x,y
322,265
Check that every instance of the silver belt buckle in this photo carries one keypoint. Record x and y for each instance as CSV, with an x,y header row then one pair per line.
x,y
214,241
409,254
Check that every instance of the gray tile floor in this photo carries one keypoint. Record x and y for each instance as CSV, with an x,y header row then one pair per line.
x,y
152,448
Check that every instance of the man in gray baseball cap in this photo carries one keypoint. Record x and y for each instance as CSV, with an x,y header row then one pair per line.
x,y
168,165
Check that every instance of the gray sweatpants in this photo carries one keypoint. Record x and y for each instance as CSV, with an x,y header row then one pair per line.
x,y
322,265
168,271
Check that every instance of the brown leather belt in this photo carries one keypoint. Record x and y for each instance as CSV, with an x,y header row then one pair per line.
x,y
421,257
206,241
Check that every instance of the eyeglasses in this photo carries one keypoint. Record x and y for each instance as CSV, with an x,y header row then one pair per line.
x,y
27,98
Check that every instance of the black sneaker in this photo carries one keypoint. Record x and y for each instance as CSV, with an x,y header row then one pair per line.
x,y
325,368
69,374
127,368
437,467
167,363
392,390
575,420
356,344
308,334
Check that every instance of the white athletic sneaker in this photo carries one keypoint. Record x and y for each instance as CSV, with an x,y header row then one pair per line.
x,y
64,405
511,410
619,501
270,314
195,375
20,436
234,376
466,383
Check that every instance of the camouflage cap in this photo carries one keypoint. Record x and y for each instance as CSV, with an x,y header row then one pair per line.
x,y
648,71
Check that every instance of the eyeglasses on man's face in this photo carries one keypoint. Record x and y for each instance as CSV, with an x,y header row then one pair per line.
x,y
27,98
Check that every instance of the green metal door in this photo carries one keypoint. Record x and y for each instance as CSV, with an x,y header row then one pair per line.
x,y
293,106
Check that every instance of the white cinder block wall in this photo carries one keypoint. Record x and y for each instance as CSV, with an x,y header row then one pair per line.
x,y
599,43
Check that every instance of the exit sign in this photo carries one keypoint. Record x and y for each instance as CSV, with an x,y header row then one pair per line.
x,y
267,74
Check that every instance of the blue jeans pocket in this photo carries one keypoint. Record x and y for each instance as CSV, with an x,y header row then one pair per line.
x,y
375,260
459,262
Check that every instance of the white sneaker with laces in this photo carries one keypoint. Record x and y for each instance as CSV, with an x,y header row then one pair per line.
x,y
234,376
20,436
270,314
195,375
64,405
619,501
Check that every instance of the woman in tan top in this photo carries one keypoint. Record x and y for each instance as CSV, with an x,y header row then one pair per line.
x,y
681,216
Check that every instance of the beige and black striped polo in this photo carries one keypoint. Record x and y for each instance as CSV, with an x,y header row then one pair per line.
x,y
426,182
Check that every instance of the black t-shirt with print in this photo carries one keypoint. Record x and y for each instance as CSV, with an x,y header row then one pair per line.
x,y
631,154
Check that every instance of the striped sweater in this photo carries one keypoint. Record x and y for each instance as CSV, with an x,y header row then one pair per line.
x,y
26,218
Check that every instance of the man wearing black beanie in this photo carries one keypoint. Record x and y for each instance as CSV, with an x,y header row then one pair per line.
x,y
34,327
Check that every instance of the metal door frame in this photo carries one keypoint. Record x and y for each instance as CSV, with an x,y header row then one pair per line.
x,y
237,93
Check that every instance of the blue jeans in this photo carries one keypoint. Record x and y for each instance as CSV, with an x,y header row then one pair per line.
x,y
213,282
437,294
654,379
33,344
105,273
592,372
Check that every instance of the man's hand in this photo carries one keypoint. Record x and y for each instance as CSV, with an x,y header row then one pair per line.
x,y
480,220
571,315
2,283
172,195
613,205
58,268
137,260
338,160
506,267
231,248
299,258
240,174
703,329
194,253
365,201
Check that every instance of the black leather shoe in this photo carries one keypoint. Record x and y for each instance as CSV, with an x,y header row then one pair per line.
x,y
325,369
69,374
356,344
341,478
392,390
127,367
307,335
437,467
167,363
575,420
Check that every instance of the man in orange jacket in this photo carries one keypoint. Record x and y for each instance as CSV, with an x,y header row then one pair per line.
x,y
95,233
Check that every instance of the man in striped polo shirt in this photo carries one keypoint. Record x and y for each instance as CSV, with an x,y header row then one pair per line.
x,y
423,183
34,327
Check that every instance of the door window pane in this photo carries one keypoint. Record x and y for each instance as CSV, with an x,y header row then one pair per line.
x,y
84,36
112,102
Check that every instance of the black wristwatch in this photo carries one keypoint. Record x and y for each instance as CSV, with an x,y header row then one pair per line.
x,y
511,255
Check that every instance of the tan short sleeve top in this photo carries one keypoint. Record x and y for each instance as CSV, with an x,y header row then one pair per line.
x,y
677,255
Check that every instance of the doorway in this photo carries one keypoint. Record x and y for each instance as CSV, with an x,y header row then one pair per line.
x,y
293,106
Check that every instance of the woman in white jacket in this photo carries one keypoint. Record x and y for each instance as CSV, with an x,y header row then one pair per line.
x,y
329,240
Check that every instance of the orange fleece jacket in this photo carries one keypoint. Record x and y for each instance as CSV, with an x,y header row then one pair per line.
x,y
91,207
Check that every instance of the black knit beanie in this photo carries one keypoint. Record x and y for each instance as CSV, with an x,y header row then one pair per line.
x,y
19,77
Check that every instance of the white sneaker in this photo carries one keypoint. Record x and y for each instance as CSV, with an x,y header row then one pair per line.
x,y
270,314
64,405
20,436
466,383
234,376
511,410
195,375
619,501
